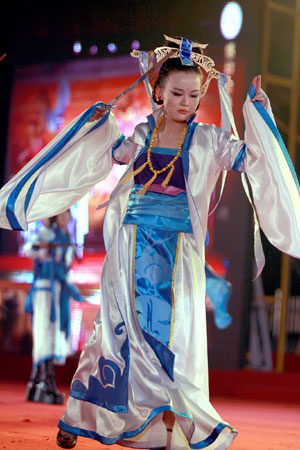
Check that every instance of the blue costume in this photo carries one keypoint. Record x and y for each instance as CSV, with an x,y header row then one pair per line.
x,y
49,300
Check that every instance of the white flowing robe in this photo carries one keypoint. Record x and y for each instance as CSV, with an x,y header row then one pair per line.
x,y
49,341
120,389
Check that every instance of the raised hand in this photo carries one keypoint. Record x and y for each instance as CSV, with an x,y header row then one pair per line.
x,y
97,114
257,86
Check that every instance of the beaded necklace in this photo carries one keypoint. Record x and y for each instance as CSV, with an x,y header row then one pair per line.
x,y
148,162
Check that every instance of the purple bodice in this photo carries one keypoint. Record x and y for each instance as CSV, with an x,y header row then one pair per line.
x,y
160,160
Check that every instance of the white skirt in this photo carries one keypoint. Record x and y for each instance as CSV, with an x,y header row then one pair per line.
x,y
49,342
120,390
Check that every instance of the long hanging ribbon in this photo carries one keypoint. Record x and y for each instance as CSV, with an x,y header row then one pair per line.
x,y
227,124
226,109
138,81
146,64
259,255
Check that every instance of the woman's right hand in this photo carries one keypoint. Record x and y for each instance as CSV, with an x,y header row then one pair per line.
x,y
100,112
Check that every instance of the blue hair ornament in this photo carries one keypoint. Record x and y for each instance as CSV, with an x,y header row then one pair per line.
x,y
185,49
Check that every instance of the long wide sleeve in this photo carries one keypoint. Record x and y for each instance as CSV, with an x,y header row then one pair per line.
x,y
63,172
273,180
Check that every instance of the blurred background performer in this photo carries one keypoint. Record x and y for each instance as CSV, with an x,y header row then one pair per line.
x,y
49,303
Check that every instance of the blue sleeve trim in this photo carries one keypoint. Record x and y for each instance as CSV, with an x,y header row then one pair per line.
x,y
147,141
29,194
100,122
151,122
117,145
206,238
10,206
185,147
264,114
239,159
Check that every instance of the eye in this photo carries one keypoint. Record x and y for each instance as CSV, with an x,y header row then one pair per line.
x,y
176,94
194,96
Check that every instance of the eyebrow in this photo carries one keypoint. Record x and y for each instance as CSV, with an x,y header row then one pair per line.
x,y
178,89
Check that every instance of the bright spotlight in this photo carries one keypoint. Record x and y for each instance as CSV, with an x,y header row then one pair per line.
x,y
77,47
231,20
112,48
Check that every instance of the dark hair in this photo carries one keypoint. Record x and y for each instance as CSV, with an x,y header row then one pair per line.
x,y
52,220
169,66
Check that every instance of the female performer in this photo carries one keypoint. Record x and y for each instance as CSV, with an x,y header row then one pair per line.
x,y
49,303
142,379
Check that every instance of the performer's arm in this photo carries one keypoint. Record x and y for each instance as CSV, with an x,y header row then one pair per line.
x,y
123,150
231,153
270,172
60,174
274,183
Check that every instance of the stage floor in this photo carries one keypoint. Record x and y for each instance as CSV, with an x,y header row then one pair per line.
x,y
261,425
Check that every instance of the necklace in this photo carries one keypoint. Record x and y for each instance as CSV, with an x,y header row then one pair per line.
x,y
171,163
170,166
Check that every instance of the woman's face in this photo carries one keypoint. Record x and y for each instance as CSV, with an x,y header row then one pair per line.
x,y
180,93
63,219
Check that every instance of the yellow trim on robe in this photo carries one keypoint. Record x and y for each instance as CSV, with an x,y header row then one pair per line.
x,y
133,268
172,289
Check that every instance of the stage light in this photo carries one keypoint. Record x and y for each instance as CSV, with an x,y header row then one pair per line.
x,y
230,50
229,67
112,48
135,45
93,50
231,20
77,47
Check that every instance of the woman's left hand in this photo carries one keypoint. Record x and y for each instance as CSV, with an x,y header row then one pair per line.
x,y
259,97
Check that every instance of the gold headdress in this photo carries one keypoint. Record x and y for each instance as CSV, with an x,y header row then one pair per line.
x,y
184,51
